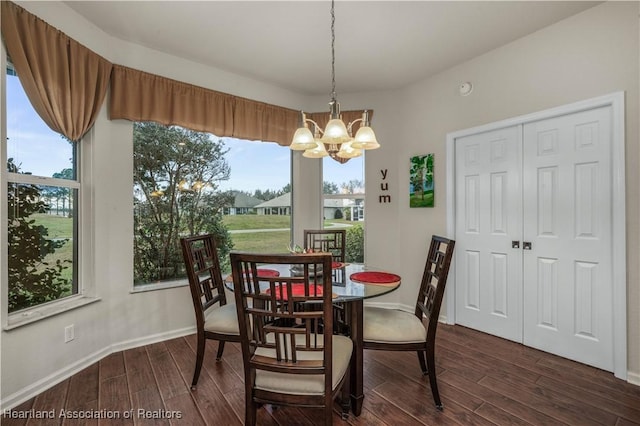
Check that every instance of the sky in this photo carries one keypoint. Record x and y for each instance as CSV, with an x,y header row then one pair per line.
x,y
32,144
254,165
266,165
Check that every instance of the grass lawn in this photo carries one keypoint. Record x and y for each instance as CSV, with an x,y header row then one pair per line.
x,y
58,226
252,221
277,241
262,242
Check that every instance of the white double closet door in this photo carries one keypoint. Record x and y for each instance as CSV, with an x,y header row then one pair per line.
x,y
533,235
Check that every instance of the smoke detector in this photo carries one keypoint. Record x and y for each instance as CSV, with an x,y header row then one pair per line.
x,y
465,88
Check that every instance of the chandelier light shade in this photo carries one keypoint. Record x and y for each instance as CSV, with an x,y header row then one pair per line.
x,y
335,132
303,138
336,140
365,137
348,151
318,151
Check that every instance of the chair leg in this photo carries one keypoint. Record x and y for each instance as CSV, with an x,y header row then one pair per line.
x,y
328,414
345,395
199,357
250,412
220,350
431,364
339,320
423,365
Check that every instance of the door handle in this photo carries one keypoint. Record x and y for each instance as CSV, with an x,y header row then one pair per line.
x,y
526,245
515,244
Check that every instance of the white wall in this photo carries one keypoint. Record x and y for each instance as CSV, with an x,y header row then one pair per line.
x,y
591,54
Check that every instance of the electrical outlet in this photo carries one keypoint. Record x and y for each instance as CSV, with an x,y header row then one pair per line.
x,y
69,334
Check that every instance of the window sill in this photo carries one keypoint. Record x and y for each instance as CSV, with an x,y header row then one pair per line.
x,y
142,288
38,313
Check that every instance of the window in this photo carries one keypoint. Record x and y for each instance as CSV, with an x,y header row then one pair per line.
x,y
189,183
175,189
343,202
260,180
42,206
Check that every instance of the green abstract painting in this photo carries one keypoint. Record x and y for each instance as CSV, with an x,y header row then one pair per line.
x,y
421,183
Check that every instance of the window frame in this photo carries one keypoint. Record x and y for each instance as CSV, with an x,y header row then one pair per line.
x,y
86,291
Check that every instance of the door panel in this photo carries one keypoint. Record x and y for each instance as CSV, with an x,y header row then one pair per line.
x,y
567,282
489,218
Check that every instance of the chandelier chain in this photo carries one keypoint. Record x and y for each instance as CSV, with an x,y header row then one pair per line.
x,y
333,53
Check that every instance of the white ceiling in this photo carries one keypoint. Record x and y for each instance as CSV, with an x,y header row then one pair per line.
x,y
379,44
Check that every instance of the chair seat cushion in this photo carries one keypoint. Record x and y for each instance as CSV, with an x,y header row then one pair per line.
x,y
392,326
222,319
306,384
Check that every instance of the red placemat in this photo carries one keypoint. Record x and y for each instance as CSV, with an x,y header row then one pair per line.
x,y
297,290
336,265
267,272
370,277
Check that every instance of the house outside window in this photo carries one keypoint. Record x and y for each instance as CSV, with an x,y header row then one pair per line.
x,y
343,203
41,208
242,204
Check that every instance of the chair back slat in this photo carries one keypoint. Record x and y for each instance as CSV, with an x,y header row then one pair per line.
x,y
327,241
434,280
203,272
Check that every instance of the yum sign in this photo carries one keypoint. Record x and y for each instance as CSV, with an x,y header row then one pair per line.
x,y
384,186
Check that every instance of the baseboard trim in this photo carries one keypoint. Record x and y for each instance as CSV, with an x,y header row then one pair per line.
x,y
633,378
154,338
53,379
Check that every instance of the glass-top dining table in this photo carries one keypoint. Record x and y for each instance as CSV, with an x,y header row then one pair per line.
x,y
350,294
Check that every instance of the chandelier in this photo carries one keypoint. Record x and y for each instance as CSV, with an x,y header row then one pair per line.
x,y
336,139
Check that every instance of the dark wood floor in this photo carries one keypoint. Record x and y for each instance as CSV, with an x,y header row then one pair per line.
x,y
483,380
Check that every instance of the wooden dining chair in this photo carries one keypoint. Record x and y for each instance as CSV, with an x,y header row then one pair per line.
x,y
215,318
331,241
395,330
290,355
327,241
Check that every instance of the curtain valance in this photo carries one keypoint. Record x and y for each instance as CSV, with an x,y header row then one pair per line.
x,y
140,96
